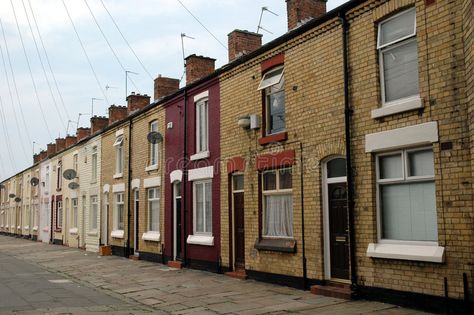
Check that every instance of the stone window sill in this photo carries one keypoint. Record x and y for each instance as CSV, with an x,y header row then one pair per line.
x,y
427,253
120,175
206,240
92,233
276,245
151,168
73,231
398,106
151,236
200,155
277,137
117,234
35,228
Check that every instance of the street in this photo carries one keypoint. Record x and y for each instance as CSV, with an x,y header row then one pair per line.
x,y
37,278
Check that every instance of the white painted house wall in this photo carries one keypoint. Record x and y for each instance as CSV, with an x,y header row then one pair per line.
x,y
45,201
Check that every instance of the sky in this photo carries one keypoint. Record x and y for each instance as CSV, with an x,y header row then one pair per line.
x,y
52,70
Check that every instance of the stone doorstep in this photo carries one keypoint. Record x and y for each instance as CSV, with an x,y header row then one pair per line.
x,y
105,250
238,274
333,289
175,264
133,257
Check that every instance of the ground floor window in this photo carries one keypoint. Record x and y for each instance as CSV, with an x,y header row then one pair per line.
x,y
59,214
94,212
154,209
119,212
75,205
202,207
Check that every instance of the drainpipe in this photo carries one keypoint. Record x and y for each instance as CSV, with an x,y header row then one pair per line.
x,y
185,173
303,248
129,184
350,180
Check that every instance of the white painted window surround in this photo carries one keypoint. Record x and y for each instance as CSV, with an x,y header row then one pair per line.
x,y
399,106
426,253
206,240
151,168
106,188
119,132
200,96
117,233
152,182
201,173
176,176
135,183
421,134
73,231
152,236
200,155
118,188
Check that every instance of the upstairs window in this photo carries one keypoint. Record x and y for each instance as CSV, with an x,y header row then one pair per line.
x,y
202,127
59,181
119,155
272,84
398,56
154,146
74,162
94,164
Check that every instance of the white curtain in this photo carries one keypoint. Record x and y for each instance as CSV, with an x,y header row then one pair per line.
x,y
279,216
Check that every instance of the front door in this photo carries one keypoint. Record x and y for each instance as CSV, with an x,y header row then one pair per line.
x,y
239,234
177,249
135,220
338,230
103,220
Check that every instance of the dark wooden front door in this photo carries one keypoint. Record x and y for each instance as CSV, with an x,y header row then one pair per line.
x,y
338,230
177,205
239,230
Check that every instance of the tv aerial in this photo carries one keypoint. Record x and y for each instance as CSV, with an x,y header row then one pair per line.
x,y
69,174
73,185
154,137
34,181
260,27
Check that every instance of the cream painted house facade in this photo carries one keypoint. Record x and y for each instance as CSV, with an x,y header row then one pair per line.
x,y
44,220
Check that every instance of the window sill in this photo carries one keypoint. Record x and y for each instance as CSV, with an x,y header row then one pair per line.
x,y
120,175
18,227
27,228
151,168
276,245
406,252
277,137
117,233
200,155
151,236
35,228
396,107
92,233
73,231
46,229
58,230
206,240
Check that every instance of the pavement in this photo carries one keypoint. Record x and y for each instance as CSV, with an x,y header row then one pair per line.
x,y
37,278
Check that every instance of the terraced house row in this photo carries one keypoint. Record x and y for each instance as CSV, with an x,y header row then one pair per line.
x,y
339,156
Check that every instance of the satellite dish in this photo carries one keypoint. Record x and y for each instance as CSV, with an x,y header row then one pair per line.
x,y
34,181
69,174
154,137
73,185
11,195
17,199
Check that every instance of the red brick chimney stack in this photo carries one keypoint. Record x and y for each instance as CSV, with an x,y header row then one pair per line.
x,y
300,11
51,149
70,141
60,144
117,113
43,155
242,43
198,67
36,158
98,123
82,133
136,102
165,86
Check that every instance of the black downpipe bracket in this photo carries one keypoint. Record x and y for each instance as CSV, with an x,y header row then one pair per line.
x,y
303,248
129,213
350,179
185,174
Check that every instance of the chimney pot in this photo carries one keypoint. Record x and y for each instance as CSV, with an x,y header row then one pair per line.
x,y
117,113
242,43
165,86
198,67
82,133
300,11
70,141
137,102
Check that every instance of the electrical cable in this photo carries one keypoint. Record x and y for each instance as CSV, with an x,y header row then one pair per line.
x,y
20,133
7,136
85,53
189,11
42,66
31,72
126,41
48,61
108,43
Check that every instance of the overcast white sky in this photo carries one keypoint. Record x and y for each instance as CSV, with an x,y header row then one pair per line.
x,y
152,27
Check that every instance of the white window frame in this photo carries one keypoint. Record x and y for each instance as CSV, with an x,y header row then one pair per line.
x,y
94,214
153,147
156,198
404,179
75,212
95,166
269,79
75,161
59,177
202,105
119,161
405,103
118,201
276,192
59,210
205,232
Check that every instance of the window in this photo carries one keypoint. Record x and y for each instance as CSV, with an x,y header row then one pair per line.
x,y
202,126
119,155
154,209
273,85
154,146
119,225
94,164
74,162
59,214
277,203
59,177
202,207
94,212
398,56
75,212
406,192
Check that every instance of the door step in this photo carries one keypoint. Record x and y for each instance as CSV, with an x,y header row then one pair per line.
x,y
238,274
105,250
134,257
175,264
332,289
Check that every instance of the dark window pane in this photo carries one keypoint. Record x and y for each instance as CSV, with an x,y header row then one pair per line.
x,y
238,182
269,180
337,168
276,111
285,179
